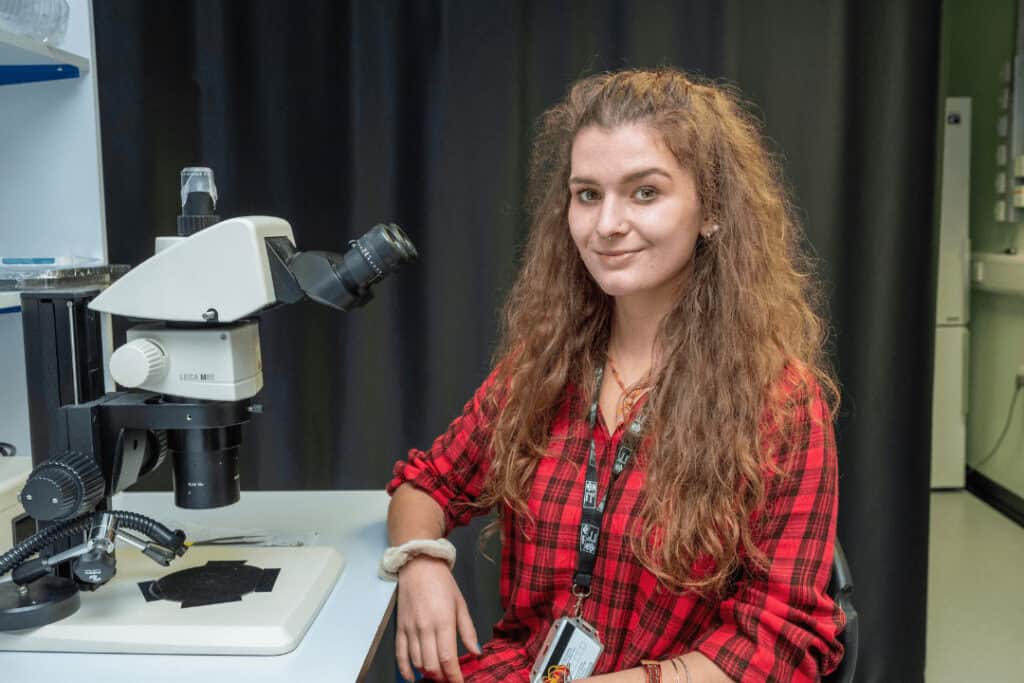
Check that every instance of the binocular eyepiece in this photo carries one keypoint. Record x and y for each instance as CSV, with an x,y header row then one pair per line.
x,y
335,280
374,256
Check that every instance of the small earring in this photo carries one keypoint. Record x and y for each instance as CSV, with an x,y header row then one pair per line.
x,y
712,229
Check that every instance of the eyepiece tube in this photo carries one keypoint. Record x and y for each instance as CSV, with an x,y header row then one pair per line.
x,y
344,281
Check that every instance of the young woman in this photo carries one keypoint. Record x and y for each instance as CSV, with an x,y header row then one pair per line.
x,y
656,433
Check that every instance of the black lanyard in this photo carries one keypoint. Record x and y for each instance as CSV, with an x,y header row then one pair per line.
x,y
593,511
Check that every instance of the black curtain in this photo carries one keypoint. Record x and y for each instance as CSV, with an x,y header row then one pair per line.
x,y
340,115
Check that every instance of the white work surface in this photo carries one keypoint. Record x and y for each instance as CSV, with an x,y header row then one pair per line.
x,y
341,641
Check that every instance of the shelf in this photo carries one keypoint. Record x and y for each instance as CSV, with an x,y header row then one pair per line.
x,y
27,60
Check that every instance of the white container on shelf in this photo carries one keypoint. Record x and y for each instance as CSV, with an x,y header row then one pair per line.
x,y
44,20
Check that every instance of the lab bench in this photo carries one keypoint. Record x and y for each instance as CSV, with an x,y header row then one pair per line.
x,y
343,638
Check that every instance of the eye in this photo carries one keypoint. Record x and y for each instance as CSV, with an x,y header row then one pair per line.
x,y
588,196
645,194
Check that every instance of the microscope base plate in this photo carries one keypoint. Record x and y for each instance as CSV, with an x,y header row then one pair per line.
x,y
118,618
43,602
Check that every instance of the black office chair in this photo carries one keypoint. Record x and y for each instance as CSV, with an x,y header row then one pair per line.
x,y
841,590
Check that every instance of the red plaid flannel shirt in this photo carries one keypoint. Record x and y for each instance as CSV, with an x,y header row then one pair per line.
x,y
780,628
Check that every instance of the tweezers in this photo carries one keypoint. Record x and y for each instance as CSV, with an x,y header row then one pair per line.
x,y
233,540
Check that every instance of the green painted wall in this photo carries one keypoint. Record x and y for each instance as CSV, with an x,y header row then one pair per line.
x,y
977,41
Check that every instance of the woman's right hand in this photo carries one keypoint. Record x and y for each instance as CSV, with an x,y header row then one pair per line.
x,y
430,611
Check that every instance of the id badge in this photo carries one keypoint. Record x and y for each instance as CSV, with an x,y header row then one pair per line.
x,y
569,653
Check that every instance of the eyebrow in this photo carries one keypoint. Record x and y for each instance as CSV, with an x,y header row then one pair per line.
x,y
632,177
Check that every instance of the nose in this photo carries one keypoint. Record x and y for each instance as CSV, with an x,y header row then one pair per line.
x,y
611,221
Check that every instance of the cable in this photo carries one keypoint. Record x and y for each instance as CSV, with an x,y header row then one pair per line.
x,y
1006,428
7,450
31,545
172,540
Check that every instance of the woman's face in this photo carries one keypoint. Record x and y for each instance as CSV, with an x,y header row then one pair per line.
x,y
634,212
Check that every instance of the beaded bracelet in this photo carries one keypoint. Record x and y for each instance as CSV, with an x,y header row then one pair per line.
x,y
652,670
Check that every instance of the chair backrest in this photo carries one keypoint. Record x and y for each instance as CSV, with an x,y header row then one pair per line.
x,y
841,590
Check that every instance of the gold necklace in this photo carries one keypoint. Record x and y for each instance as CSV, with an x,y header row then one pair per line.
x,y
629,397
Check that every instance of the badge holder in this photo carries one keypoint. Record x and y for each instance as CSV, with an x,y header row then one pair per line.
x,y
571,650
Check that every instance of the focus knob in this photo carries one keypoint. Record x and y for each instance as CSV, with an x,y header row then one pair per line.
x,y
63,488
137,362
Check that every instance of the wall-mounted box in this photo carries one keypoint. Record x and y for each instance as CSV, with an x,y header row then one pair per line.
x,y
998,273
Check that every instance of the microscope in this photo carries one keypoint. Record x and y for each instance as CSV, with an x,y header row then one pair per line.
x,y
189,372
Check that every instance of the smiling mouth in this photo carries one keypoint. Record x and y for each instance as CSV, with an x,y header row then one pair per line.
x,y
615,254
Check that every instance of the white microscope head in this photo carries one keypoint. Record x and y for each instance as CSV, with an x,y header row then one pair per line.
x,y
205,289
219,274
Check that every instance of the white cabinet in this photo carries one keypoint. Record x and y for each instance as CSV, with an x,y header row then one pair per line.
x,y
952,306
51,181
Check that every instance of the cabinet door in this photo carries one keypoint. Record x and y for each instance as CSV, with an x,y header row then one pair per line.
x,y
949,408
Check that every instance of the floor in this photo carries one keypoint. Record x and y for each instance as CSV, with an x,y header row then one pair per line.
x,y
975,593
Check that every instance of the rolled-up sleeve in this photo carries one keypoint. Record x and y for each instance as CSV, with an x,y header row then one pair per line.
x,y
452,471
782,625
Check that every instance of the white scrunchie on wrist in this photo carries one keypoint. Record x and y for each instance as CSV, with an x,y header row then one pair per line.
x,y
396,557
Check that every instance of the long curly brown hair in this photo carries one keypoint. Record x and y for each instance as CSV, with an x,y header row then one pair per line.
x,y
746,314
